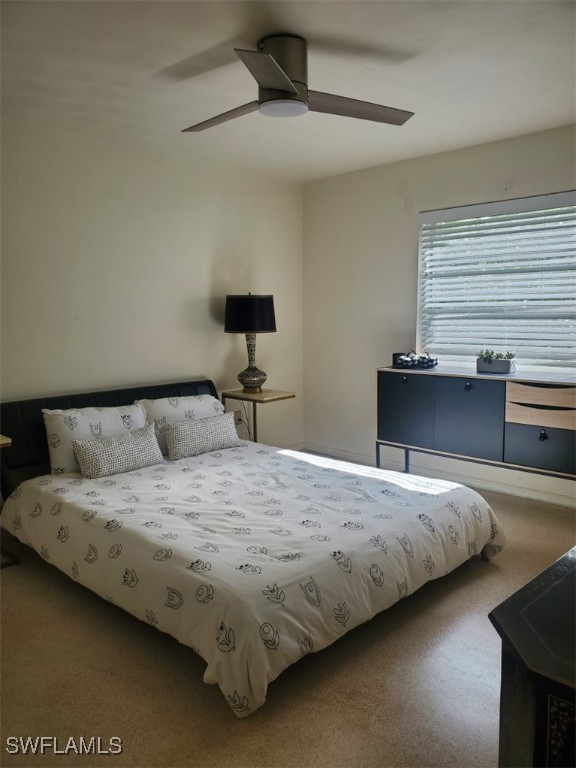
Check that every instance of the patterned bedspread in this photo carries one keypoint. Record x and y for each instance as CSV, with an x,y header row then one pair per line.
x,y
253,556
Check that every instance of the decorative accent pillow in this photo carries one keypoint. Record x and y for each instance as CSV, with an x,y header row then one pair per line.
x,y
64,426
118,453
167,410
191,438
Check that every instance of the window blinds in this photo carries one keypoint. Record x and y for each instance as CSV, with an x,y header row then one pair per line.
x,y
500,276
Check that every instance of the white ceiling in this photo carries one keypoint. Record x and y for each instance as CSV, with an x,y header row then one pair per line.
x,y
134,74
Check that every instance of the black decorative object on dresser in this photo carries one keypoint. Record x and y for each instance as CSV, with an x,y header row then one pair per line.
x,y
506,420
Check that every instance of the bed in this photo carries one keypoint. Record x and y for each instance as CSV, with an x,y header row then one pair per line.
x,y
252,555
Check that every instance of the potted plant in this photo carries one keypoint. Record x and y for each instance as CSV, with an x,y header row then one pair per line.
x,y
489,361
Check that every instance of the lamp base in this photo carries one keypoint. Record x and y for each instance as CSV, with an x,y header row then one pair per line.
x,y
252,379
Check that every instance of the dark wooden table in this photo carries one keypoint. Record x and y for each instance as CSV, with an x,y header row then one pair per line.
x,y
537,625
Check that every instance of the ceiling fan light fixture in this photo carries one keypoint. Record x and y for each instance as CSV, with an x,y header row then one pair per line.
x,y
280,68
283,108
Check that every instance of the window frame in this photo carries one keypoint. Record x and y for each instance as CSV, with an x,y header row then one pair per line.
x,y
496,208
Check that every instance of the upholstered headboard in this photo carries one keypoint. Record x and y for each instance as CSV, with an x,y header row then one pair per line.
x,y
22,421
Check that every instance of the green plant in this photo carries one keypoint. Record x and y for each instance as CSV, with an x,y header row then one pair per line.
x,y
488,355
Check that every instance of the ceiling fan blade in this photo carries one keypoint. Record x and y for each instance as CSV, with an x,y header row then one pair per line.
x,y
266,70
364,110
245,109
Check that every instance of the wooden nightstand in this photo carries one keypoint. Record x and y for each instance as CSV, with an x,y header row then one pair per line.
x,y
6,558
256,398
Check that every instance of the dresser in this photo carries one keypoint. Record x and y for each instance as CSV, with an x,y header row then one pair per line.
x,y
508,420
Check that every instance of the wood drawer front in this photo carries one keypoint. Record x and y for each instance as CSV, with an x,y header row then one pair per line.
x,y
561,397
561,418
524,446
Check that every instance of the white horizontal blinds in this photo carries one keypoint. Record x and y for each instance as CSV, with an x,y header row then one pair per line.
x,y
500,276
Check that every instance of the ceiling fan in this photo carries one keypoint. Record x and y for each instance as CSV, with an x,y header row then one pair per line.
x,y
280,67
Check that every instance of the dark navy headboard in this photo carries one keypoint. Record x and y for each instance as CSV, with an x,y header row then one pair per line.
x,y
23,422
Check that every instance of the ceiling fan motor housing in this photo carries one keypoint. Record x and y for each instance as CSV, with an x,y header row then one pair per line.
x,y
290,53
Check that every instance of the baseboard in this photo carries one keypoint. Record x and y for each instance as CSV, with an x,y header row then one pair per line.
x,y
511,481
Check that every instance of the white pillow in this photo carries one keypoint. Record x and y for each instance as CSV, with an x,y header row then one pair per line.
x,y
167,410
64,426
190,438
118,453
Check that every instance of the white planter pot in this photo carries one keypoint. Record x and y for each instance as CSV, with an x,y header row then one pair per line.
x,y
496,366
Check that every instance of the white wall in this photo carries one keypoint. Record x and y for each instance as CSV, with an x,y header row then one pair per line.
x,y
115,266
360,286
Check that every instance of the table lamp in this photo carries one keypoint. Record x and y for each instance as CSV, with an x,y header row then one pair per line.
x,y
250,315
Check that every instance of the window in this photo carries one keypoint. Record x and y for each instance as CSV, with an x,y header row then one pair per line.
x,y
500,276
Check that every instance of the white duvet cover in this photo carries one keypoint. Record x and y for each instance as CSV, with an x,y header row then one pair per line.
x,y
253,556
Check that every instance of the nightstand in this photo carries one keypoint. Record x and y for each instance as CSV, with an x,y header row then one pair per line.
x,y
256,398
6,558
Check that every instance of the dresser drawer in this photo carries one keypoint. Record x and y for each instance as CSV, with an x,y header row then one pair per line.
x,y
541,394
540,448
541,416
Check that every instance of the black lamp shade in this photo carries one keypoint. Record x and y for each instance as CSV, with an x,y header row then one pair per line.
x,y
250,314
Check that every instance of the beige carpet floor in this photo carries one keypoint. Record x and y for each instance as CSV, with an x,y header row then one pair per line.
x,y
418,686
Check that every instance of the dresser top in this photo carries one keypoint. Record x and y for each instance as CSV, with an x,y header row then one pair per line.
x,y
467,371
538,621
